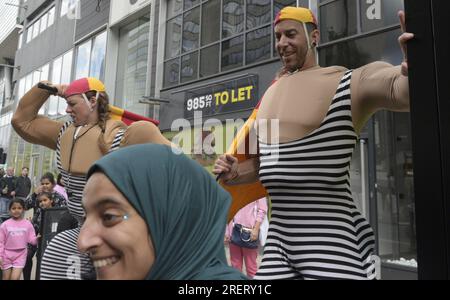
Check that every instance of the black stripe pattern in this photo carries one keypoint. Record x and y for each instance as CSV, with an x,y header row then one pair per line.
x,y
316,231
61,259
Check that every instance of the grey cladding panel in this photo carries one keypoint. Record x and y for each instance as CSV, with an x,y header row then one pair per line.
x,y
91,19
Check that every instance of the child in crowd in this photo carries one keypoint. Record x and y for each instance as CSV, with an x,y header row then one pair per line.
x,y
44,200
15,234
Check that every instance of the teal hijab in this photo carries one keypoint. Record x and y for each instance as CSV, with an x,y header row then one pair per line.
x,y
184,208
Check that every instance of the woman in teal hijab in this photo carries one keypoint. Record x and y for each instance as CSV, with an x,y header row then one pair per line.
x,y
153,214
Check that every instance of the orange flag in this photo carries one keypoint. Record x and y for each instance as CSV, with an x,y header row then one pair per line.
x,y
243,194
126,116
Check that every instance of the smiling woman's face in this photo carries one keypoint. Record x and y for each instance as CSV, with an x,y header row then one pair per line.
x,y
114,234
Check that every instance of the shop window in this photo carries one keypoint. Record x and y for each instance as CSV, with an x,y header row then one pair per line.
x,y
258,45
210,22
209,61
189,66
258,13
233,17
378,14
338,20
191,30
232,56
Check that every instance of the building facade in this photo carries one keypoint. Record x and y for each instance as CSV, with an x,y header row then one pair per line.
x,y
196,65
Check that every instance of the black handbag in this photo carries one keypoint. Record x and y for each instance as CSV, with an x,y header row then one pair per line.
x,y
240,237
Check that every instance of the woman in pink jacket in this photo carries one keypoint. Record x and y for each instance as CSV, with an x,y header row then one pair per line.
x,y
15,234
250,217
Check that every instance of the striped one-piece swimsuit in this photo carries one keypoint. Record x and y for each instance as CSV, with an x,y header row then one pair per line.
x,y
316,231
62,260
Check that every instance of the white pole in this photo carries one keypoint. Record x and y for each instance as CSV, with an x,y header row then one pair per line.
x,y
298,3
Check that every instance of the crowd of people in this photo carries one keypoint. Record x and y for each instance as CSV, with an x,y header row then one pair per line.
x,y
137,209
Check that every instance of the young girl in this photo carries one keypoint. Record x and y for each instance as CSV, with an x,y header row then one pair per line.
x,y
15,235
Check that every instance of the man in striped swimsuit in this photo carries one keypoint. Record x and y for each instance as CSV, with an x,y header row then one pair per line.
x,y
316,231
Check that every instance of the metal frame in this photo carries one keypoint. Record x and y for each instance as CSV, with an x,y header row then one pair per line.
x,y
429,92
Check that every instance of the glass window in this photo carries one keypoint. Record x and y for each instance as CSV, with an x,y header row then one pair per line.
x,y
51,17
209,61
355,53
233,17
21,88
337,20
64,7
66,73
191,28
279,4
174,7
173,37
258,13
44,72
83,57
36,77
133,65
258,45
210,22
56,78
29,82
36,28
20,41
171,72
232,53
189,66
44,20
377,14
190,3
29,34
97,68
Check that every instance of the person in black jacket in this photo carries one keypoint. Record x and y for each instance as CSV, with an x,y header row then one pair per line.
x,y
23,185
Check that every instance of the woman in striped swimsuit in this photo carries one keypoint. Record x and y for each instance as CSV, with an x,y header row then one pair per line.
x,y
316,231
78,144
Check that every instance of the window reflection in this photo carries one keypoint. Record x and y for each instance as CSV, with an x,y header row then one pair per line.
x,y
232,56
191,28
174,7
97,68
379,13
210,22
337,20
171,72
209,61
83,56
189,67
233,17
132,65
173,37
258,45
190,3
258,13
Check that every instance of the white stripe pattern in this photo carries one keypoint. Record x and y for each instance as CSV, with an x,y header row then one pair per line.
x,y
316,231
62,260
